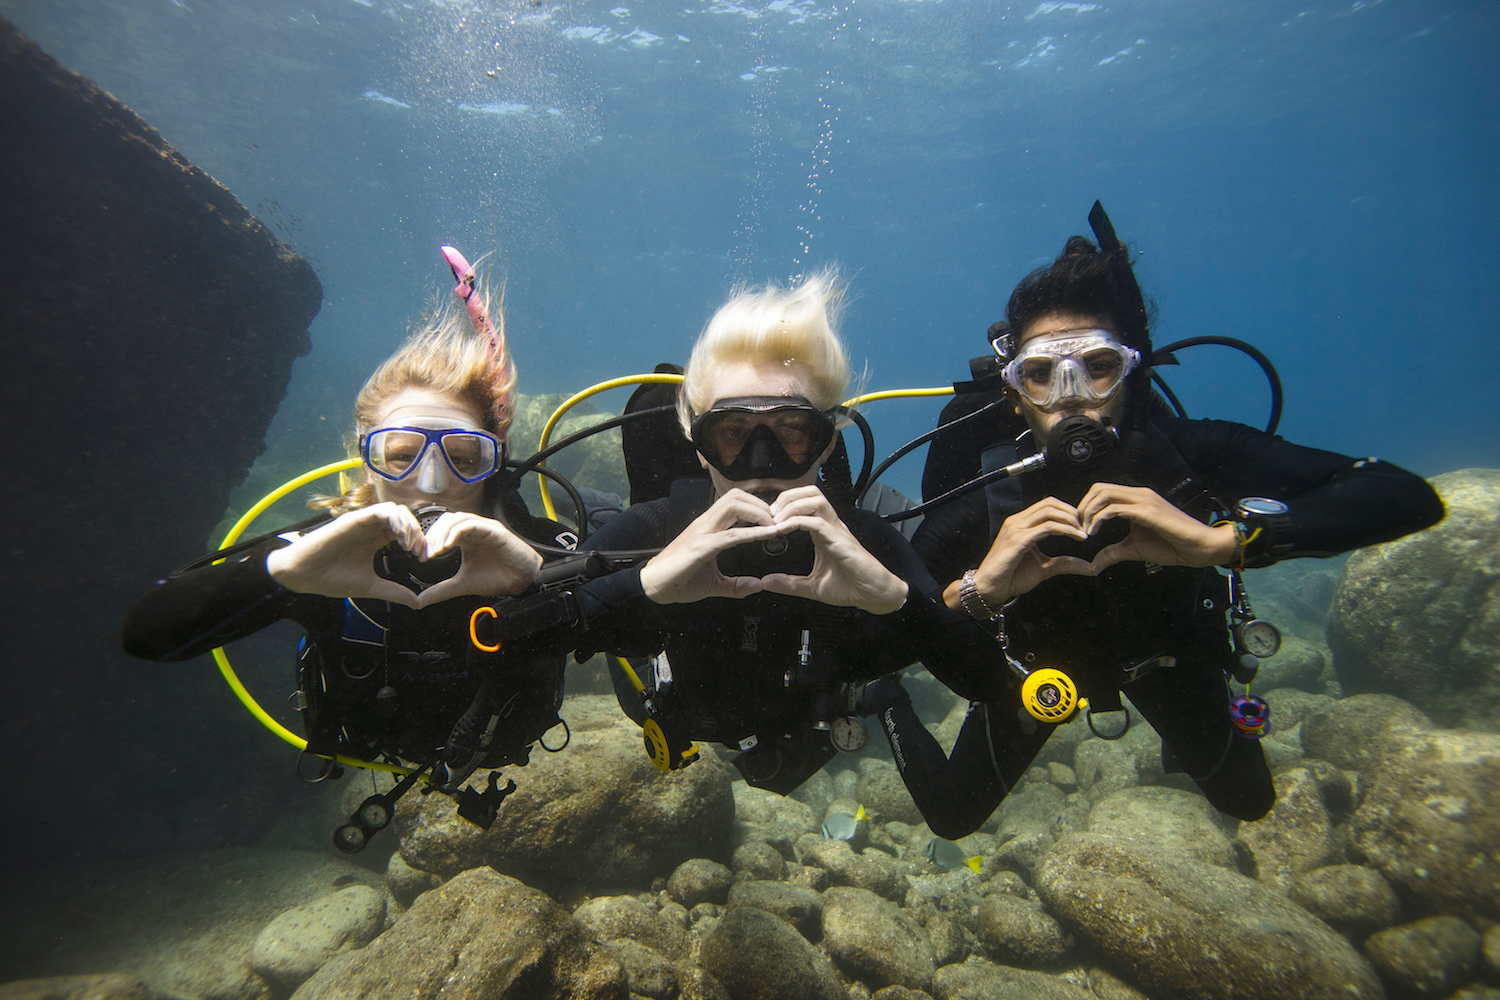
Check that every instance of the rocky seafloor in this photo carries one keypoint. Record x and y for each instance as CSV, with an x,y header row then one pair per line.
x,y
1376,875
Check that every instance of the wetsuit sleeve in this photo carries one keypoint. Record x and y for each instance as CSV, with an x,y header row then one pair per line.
x,y
184,616
1336,503
610,612
953,647
955,537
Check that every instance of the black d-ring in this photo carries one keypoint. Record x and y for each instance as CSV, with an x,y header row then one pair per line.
x,y
330,769
567,737
1088,717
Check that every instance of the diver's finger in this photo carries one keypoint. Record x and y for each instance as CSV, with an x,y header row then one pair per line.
x,y
791,586
1068,566
739,587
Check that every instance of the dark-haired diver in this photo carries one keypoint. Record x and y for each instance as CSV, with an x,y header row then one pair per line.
x,y
1103,564
771,593
385,588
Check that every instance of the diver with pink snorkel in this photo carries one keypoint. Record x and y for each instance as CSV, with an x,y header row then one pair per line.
x,y
385,579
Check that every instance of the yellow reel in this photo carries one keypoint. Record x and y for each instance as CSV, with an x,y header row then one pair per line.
x,y
1050,695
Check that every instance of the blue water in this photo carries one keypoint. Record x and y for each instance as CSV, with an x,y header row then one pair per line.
x,y
1314,177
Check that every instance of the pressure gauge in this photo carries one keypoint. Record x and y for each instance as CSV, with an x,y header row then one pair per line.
x,y
848,733
1258,637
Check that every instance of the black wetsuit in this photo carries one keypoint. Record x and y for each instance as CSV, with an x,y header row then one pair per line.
x,y
376,678
1107,632
729,659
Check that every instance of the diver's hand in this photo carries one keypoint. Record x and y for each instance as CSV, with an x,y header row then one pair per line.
x,y
844,573
1015,565
495,561
1159,532
687,569
338,560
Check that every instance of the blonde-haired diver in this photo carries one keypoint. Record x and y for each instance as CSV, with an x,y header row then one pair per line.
x,y
385,587
772,596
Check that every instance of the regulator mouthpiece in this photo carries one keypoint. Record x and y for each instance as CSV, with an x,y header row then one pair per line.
x,y
1080,443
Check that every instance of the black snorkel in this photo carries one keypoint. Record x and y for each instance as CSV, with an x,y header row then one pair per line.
x,y
1131,317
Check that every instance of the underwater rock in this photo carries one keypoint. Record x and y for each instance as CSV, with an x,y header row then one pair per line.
x,y
598,813
883,794
1297,835
625,918
755,956
647,972
151,324
1429,820
1019,932
1157,915
872,870
406,883
699,880
1420,617
977,979
798,906
1298,664
479,936
769,818
298,942
755,860
1427,958
108,986
1353,733
1174,820
873,941
1352,899
184,923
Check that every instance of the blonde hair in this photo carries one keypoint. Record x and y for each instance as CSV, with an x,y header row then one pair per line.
x,y
796,327
444,354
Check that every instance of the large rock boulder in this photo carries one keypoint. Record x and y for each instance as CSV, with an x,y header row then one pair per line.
x,y
183,924
598,814
479,936
1429,820
759,957
1420,617
1185,929
1297,836
302,940
151,324
1429,802
874,942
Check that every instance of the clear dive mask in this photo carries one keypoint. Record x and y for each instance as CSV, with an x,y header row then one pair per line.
x,y
399,453
1077,368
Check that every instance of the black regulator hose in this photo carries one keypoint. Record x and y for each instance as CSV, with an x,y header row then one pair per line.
x,y
917,442
534,462
865,479
1250,349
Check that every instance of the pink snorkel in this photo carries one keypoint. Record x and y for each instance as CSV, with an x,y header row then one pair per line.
x,y
464,274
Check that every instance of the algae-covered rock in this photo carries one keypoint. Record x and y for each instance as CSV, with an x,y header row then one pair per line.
x,y
1160,916
1420,617
479,936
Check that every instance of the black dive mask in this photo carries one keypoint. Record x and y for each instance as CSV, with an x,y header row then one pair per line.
x,y
763,437
1080,444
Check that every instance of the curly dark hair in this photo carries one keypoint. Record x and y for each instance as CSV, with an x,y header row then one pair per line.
x,y
1085,279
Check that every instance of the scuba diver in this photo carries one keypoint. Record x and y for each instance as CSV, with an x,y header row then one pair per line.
x,y
1096,568
771,595
385,579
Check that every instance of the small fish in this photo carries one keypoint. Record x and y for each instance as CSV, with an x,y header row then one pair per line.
x,y
842,826
949,855
342,881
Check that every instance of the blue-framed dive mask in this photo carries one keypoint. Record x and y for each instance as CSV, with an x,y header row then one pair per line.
x,y
396,453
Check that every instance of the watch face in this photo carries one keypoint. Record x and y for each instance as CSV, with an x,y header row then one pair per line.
x,y
1262,505
1259,638
848,733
